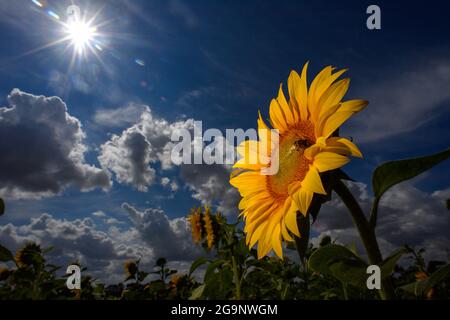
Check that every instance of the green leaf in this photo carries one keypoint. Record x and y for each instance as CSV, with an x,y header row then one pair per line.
x,y
325,240
341,263
350,271
5,254
302,242
420,288
197,292
212,267
2,207
197,263
391,173
388,265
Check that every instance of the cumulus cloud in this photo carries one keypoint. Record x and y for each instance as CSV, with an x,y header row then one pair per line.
x,y
170,238
135,154
42,149
406,215
413,95
76,240
104,247
119,117
130,154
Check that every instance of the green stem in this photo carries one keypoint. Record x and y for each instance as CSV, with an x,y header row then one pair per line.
x,y
344,289
237,278
367,234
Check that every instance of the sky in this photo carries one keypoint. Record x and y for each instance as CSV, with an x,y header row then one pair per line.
x,y
85,138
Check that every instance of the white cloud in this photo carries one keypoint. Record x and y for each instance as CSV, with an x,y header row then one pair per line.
x,y
99,214
169,238
134,155
119,117
406,215
151,235
42,149
165,182
403,102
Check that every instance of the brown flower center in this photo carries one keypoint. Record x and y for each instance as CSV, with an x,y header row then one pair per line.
x,y
293,166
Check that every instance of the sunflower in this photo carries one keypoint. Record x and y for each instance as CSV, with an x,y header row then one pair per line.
x,y
195,219
131,269
209,228
29,255
307,146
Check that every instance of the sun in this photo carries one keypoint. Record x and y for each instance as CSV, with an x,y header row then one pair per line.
x,y
81,34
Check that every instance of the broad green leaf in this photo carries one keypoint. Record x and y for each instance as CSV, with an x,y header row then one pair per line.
x,y
2,207
197,263
341,263
388,265
391,173
419,288
322,258
211,268
5,254
350,271
197,292
325,240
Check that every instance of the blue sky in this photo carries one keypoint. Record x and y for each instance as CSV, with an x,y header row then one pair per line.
x,y
219,62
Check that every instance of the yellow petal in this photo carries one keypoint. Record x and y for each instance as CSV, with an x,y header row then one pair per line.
x,y
302,96
294,187
334,122
276,241
295,94
332,96
342,146
353,105
311,151
303,199
326,161
257,234
312,181
277,117
291,219
291,117
313,97
285,232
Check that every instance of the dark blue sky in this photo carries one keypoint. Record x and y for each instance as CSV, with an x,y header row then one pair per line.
x,y
221,61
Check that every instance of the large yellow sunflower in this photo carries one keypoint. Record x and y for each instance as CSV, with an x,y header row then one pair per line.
x,y
307,146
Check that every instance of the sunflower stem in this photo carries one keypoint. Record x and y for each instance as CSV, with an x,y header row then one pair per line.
x,y
237,278
366,232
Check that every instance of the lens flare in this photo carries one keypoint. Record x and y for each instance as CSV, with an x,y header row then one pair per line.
x,y
81,34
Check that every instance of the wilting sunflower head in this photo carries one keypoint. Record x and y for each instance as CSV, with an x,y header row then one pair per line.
x,y
209,228
195,219
307,146
130,268
28,255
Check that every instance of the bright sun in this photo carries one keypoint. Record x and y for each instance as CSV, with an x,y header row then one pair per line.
x,y
80,34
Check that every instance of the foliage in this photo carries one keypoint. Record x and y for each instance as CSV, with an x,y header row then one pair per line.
x,y
231,270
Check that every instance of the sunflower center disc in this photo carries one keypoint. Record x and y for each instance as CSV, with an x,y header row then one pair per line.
x,y
293,166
